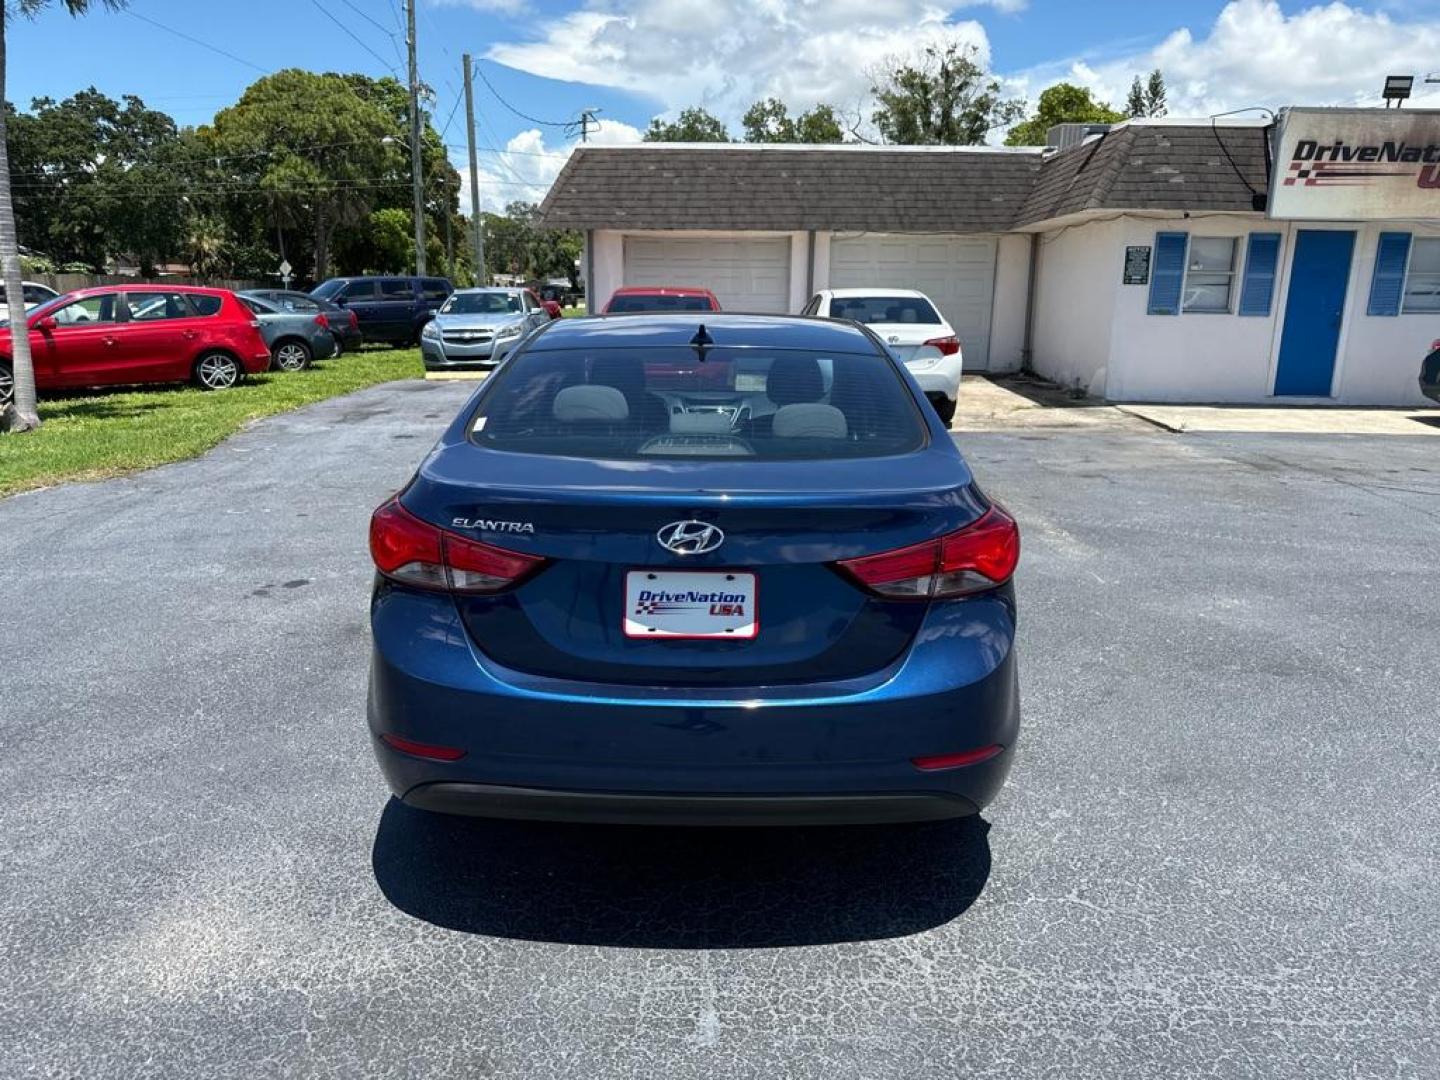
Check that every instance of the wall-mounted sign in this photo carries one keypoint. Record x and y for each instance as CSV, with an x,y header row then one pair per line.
x,y
1356,164
1137,265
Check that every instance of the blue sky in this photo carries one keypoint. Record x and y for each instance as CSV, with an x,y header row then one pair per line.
x,y
634,59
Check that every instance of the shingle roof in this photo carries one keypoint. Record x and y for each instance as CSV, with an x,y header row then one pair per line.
x,y
746,187
911,189
1155,167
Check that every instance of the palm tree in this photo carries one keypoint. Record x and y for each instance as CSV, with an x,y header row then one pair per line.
x,y
24,416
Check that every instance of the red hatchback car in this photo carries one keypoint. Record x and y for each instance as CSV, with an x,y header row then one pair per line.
x,y
633,298
140,334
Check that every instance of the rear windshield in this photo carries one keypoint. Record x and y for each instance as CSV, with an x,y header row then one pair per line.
x,y
634,403
329,289
654,302
481,304
883,309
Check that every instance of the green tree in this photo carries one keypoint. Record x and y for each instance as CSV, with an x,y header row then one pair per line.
x,y
769,121
1135,102
319,151
1155,94
1063,103
392,233
1148,98
940,95
22,414
93,179
692,125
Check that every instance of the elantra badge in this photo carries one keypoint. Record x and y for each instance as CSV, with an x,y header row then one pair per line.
x,y
690,537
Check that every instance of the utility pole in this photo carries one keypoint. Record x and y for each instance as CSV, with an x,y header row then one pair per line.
x,y
417,179
587,118
476,221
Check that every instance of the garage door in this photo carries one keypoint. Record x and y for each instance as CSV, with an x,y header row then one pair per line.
x,y
958,273
746,275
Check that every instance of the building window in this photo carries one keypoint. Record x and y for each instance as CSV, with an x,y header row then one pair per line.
x,y
1422,282
1209,274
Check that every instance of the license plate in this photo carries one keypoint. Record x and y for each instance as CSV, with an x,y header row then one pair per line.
x,y
698,604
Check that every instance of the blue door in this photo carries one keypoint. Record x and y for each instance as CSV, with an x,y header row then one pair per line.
x,y
1314,307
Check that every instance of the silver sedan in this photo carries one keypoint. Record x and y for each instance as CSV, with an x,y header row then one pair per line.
x,y
477,327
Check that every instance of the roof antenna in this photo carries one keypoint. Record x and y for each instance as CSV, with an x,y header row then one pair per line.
x,y
702,341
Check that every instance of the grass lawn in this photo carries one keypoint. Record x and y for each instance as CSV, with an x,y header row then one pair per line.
x,y
106,433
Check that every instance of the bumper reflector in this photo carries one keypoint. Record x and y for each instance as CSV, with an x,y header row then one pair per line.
x,y
955,761
425,750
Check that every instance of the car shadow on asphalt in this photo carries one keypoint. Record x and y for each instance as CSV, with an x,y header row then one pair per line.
x,y
678,888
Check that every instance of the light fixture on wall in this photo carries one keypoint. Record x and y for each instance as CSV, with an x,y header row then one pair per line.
x,y
1397,89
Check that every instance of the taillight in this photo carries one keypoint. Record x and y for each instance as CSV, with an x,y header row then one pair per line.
x,y
354,321
947,345
978,557
322,321
414,552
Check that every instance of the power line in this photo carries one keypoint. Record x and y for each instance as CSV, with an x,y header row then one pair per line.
x,y
523,116
196,41
355,37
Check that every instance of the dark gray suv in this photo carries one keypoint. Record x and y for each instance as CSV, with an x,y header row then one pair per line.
x,y
389,308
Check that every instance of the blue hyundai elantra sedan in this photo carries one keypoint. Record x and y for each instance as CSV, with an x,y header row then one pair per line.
x,y
696,568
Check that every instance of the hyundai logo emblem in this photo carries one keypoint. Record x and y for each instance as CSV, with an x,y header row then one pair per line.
x,y
690,537
894,339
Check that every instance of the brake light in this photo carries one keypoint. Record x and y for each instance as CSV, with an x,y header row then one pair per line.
x,y
949,346
354,321
414,552
978,557
322,322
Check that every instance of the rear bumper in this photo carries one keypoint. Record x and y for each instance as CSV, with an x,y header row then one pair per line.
x,y
611,808
552,749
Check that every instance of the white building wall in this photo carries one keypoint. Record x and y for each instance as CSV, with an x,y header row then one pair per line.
x,y
1007,315
1190,356
1093,330
608,266
1075,305
1379,361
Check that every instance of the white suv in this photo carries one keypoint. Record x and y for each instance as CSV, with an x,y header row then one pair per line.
x,y
910,325
35,295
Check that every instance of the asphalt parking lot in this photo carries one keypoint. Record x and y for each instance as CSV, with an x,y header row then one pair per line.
x,y
1218,854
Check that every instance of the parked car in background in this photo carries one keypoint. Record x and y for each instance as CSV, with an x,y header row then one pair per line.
x,y
35,295
475,328
344,324
779,599
140,334
654,298
1430,373
295,337
390,308
561,291
912,327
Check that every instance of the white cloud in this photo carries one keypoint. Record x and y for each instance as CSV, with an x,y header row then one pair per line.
x,y
526,167
1255,54
726,54
503,7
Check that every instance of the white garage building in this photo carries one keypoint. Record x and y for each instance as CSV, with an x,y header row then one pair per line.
x,y
1158,260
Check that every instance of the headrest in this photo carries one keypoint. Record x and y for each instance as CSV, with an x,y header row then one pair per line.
x,y
603,403
809,420
794,379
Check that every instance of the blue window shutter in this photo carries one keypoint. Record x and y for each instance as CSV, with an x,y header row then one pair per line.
x,y
1261,259
1167,275
1388,284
